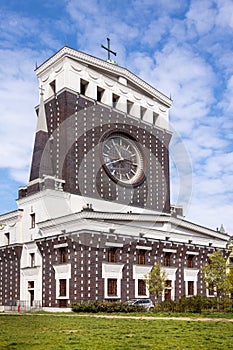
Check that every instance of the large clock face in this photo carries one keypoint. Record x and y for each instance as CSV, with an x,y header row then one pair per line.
x,y
122,159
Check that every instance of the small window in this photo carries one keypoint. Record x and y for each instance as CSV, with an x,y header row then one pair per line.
x,y
190,287
53,86
100,93
63,255
155,117
142,112
30,284
141,287
7,238
115,99
33,220
83,86
129,106
211,290
32,259
62,288
167,259
190,261
168,290
141,257
112,255
112,287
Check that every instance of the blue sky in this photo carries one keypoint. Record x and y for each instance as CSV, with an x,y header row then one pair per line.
x,y
183,48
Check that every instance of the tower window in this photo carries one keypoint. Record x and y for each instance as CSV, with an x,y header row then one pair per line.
x,y
32,259
33,220
129,106
142,112
112,287
100,93
7,238
83,86
141,257
115,99
155,117
53,86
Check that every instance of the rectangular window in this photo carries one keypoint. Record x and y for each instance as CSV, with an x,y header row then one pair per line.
x,y
167,259
30,284
129,106
141,287
168,290
112,287
190,287
115,99
63,255
112,255
62,288
141,257
53,86
211,289
190,260
83,86
32,259
142,112
155,117
7,238
100,93
33,220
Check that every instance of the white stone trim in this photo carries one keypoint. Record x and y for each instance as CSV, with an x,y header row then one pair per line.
x,y
170,250
139,273
171,275
191,274
113,244
62,271
112,270
61,245
189,252
142,247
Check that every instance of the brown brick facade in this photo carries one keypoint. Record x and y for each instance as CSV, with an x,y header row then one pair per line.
x,y
86,252
10,274
77,126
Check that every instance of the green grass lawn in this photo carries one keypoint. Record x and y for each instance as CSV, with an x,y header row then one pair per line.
x,y
84,332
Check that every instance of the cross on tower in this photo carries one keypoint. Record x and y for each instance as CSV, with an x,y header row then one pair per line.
x,y
41,90
108,49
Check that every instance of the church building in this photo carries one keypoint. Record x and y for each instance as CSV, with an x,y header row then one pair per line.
x,y
96,215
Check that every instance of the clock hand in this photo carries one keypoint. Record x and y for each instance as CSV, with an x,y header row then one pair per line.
x,y
116,148
115,161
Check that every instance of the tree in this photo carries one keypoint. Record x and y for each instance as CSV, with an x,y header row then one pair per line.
x,y
215,273
156,280
229,280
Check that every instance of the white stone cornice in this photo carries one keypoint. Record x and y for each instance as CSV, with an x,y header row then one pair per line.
x,y
107,67
11,216
133,219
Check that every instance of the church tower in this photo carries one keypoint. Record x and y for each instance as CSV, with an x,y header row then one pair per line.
x,y
95,216
102,132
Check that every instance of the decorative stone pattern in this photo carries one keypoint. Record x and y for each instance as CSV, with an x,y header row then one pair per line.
x,y
10,275
86,252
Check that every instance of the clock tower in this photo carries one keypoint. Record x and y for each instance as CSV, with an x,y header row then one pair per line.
x,y
105,135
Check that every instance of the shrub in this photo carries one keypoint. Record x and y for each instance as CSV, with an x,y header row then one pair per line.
x,y
104,306
196,304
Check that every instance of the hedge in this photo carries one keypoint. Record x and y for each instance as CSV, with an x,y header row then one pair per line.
x,y
105,306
